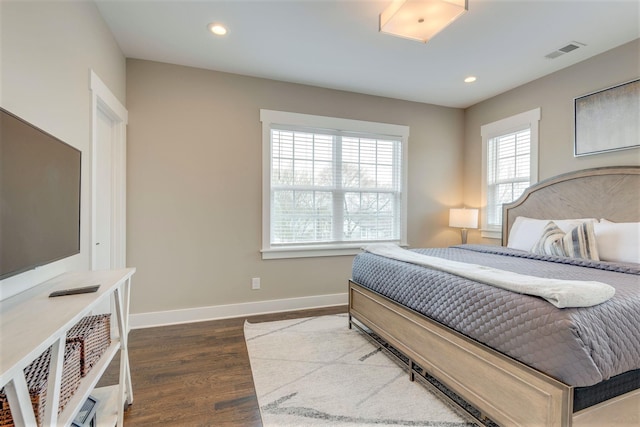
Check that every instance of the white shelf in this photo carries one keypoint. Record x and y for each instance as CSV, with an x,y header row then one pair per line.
x,y
107,412
31,322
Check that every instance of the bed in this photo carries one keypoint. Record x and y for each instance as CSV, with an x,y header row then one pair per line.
x,y
516,359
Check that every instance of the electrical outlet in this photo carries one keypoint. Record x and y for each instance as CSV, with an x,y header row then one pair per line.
x,y
255,283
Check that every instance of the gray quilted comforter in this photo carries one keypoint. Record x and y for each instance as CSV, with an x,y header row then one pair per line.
x,y
578,346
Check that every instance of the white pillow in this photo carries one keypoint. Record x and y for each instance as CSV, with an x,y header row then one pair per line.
x,y
525,232
618,242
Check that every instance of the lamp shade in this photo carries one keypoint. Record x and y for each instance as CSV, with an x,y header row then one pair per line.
x,y
420,19
463,218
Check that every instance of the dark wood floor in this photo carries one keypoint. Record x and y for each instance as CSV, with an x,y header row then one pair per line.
x,y
196,374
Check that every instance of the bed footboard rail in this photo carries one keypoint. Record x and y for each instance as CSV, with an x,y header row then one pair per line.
x,y
507,391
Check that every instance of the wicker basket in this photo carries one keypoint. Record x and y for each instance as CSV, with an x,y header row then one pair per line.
x,y
94,335
37,375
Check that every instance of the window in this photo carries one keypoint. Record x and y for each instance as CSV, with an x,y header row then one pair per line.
x,y
509,165
330,185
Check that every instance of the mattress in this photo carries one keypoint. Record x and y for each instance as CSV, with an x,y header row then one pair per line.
x,y
578,346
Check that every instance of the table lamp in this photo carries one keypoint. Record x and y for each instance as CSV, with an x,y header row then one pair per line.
x,y
464,219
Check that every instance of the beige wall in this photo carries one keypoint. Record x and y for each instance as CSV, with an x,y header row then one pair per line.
x,y
554,95
194,184
194,189
47,49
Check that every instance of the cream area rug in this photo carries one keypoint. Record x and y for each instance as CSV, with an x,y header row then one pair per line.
x,y
317,371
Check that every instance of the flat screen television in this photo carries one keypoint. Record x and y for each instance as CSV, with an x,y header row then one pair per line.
x,y
39,197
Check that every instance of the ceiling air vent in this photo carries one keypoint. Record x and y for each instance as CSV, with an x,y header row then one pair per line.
x,y
565,49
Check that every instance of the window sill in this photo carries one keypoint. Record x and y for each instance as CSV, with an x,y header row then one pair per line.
x,y
491,234
314,251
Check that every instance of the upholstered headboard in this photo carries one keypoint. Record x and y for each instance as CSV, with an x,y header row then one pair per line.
x,y
610,192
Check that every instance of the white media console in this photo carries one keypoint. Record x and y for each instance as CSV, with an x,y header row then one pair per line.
x,y
31,322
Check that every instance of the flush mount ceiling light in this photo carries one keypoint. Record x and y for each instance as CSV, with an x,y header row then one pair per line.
x,y
420,19
470,79
217,29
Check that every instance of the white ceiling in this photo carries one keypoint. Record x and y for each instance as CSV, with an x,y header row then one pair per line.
x,y
336,43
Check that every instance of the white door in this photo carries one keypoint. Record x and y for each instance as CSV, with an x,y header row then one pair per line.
x,y
104,191
108,181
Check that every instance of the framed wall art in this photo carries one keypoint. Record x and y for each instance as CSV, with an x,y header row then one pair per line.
x,y
607,120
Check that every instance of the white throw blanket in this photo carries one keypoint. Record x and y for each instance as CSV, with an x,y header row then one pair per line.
x,y
561,293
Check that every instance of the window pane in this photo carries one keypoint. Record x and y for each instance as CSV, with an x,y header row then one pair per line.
x,y
506,147
370,216
351,203
368,151
350,150
282,144
523,166
385,177
504,193
303,172
508,169
369,203
324,216
282,172
318,175
323,148
523,145
386,203
350,175
367,176
303,202
301,216
384,228
303,146
385,152
493,216
322,173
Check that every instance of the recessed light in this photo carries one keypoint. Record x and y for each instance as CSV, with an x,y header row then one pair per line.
x,y
470,79
217,29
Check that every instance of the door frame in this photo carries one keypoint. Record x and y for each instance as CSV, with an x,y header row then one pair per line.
x,y
104,101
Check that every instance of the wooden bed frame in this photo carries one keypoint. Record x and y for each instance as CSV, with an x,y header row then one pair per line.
x,y
509,392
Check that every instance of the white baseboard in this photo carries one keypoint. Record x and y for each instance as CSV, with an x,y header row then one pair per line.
x,y
215,312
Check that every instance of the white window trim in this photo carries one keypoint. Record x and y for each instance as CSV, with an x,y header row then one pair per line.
x,y
271,117
528,119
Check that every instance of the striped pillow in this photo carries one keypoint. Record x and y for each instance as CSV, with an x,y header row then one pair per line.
x,y
579,242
